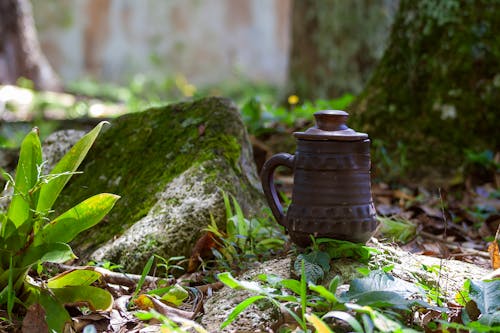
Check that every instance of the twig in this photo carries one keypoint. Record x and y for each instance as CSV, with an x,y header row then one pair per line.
x,y
208,287
471,251
171,312
123,279
456,247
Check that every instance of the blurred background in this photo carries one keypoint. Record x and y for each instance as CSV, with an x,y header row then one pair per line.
x,y
205,42
415,75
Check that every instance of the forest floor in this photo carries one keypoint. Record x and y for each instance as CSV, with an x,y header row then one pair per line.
x,y
457,225
460,223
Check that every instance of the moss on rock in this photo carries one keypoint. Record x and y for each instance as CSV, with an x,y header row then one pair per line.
x,y
169,165
436,91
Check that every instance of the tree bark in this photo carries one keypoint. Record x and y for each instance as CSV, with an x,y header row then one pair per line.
x,y
20,52
434,96
336,44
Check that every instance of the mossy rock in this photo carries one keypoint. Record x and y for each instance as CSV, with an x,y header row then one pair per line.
x,y
435,94
170,165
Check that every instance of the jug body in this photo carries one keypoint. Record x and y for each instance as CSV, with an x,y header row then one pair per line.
x,y
331,195
332,192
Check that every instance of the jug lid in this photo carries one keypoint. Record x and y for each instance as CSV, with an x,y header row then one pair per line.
x,y
331,125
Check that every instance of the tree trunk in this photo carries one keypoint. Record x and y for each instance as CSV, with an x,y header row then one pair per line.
x,y
336,44
435,94
20,53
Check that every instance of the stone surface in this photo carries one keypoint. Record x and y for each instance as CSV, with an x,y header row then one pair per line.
x,y
8,158
170,165
56,145
219,306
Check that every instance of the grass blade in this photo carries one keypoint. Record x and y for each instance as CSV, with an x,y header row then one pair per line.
x,y
10,290
145,272
240,308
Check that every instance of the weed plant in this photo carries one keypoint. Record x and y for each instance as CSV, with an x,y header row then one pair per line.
x,y
244,240
30,236
376,302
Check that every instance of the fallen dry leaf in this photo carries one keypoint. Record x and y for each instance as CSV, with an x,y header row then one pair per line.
x,y
143,302
403,196
494,254
34,321
202,250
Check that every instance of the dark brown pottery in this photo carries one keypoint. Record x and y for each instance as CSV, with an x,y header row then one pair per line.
x,y
331,196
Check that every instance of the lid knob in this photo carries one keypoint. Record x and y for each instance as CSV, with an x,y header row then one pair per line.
x,y
331,120
331,125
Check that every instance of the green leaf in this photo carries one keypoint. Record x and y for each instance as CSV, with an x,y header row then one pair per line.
x,y
303,291
241,224
175,295
325,293
55,312
49,252
30,158
486,295
462,297
79,218
10,289
314,270
143,315
69,163
367,322
473,326
240,308
319,325
344,316
291,284
144,273
232,283
77,277
397,228
384,323
382,298
344,249
381,281
96,298
13,278
229,280
271,279
334,283
230,227
14,237
319,258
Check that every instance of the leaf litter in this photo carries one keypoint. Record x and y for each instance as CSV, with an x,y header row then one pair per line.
x,y
439,224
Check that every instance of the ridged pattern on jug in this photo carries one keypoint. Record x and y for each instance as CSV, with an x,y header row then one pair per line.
x,y
332,193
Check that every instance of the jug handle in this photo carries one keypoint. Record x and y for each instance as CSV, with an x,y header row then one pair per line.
x,y
267,179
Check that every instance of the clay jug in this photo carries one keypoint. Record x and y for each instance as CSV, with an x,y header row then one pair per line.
x,y
331,195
